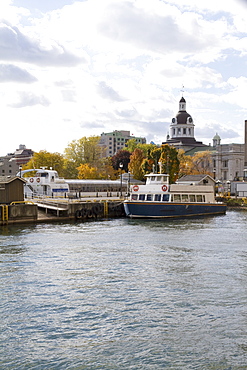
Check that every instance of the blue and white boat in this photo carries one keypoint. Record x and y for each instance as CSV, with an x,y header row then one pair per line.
x,y
44,182
159,199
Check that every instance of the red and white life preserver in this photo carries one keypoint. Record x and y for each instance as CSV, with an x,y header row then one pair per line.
x,y
38,179
31,180
135,188
164,187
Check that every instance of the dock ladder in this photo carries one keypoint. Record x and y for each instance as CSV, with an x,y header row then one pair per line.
x,y
5,214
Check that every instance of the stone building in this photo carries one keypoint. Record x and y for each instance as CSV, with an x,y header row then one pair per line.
x,y
10,164
229,161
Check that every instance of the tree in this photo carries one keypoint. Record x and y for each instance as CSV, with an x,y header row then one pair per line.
x,y
135,165
169,162
85,171
122,156
132,144
103,170
199,163
48,160
82,151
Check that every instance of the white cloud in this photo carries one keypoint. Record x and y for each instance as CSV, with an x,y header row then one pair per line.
x,y
99,65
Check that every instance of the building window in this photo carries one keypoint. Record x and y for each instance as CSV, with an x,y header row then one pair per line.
x,y
225,163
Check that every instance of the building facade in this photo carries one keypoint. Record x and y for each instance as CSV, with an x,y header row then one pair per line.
x,y
228,162
114,141
11,163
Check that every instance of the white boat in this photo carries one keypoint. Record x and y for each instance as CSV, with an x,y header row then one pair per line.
x,y
158,199
44,182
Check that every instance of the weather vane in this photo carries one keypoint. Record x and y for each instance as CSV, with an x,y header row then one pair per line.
x,y
182,90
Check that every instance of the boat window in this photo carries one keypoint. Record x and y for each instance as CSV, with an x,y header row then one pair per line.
x,y
149,197
142,197
152,178
176,198
192,198
165,197
157,197
134,197
199,198
185,198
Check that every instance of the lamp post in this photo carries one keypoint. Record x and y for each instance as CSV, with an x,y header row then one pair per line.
x,y
20,168
121,178
228,188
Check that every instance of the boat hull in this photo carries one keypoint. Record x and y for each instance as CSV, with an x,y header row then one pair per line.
x,y
171,210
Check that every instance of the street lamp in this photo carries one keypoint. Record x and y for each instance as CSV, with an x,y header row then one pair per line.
x,y
228,188
121,178
20,168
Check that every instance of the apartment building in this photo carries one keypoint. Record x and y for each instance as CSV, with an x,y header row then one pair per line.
x,y
114,141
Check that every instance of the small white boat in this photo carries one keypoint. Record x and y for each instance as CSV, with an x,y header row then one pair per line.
x,y
158,199
44,182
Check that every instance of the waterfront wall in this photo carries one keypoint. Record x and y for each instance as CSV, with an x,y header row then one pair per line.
x,y
87,210
18,213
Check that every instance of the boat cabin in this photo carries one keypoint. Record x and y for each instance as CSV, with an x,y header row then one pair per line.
x,y
157,189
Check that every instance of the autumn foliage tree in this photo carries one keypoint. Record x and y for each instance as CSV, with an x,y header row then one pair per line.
x,y
102,170
47,160
199,163
83,151
135,165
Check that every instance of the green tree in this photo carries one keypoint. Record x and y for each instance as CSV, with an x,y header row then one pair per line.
x,y
82,151
169,162
164,159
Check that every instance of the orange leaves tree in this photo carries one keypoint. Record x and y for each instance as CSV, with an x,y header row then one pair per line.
x,y
199,163
102,170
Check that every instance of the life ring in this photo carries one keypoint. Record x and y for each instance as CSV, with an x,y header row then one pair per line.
x,y
31,180
38,179
164,187
135,187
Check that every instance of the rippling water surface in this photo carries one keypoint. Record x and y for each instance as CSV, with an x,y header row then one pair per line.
x,y
125,294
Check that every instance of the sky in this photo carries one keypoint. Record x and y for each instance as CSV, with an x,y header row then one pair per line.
x,y
71,68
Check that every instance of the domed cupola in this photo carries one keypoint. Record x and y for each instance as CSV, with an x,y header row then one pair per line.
x,y
182,125
181,132
182,117
216,139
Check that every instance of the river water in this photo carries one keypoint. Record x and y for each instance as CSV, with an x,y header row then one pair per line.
x,y
125,294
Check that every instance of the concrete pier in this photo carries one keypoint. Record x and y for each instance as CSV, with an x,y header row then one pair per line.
x,y
51,209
